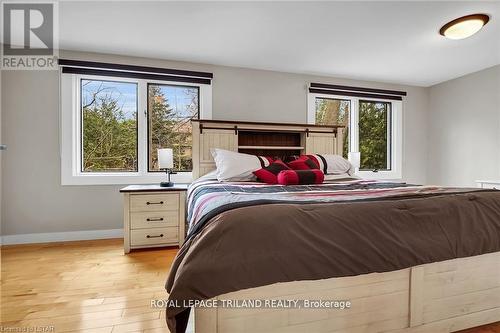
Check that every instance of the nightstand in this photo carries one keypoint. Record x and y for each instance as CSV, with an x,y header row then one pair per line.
x,y
492,184
153,216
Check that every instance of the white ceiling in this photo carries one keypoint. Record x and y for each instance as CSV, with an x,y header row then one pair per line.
x,y
380,41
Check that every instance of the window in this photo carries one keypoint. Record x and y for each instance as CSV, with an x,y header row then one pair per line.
x,y
372,127
112,127
375,135
109,126
331,111
170,109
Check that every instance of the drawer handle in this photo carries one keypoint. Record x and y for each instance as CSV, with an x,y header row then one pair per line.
x,y
153,219
154,203
159,236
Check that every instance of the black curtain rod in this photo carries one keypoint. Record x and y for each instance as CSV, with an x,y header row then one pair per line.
x,y
354,94
134,75
132,68
357,89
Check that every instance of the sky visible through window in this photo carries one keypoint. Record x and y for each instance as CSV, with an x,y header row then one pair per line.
x,y
126,94
180,99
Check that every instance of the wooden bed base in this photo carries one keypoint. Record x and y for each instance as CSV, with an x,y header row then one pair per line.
x,y
433,298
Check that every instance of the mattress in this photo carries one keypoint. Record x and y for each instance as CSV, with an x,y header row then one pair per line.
x,y
245,235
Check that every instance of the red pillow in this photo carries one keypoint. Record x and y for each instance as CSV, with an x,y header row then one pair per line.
x,y
304,162
269,174
301,177
266,160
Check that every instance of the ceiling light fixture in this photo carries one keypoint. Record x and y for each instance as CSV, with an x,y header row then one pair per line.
x,y
464,26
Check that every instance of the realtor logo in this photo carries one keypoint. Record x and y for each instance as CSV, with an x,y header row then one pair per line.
x,y
28,35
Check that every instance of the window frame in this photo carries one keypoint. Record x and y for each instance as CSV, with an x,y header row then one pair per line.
x,y
71,133
396,134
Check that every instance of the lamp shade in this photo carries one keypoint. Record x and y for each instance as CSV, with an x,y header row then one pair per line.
x,y
355,159
165,158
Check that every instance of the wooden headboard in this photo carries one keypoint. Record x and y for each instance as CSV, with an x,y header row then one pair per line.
x,y
271,139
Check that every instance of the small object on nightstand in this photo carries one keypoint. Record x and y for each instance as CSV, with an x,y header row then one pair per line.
x,y
153,216
166,162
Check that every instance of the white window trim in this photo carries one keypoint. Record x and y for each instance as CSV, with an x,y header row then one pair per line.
x,y
69,123
396,132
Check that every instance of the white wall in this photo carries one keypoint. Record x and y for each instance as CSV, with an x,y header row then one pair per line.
x,y
34,200
464,129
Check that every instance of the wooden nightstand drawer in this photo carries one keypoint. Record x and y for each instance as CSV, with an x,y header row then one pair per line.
x,y
154,202
153,236
142,220
153,216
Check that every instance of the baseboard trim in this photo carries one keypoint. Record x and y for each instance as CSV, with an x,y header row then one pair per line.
x,y
49,237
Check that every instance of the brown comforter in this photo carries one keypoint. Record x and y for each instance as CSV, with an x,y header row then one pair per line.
x,y
257,245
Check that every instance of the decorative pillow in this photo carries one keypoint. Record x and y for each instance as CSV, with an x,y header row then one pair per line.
x,y
233,166
269,174
300,177
290,158
304,162
329,164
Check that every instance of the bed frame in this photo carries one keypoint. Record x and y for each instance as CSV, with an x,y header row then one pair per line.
x,y
433,298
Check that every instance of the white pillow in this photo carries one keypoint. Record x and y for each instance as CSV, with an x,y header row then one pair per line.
x,y
233,166
334,164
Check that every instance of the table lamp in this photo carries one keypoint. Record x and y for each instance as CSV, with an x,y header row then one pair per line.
x,y
166,162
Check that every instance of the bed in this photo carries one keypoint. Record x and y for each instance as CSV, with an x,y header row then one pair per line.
x,y
408,258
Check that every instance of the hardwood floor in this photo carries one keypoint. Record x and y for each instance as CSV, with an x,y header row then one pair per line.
x,y
89,286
